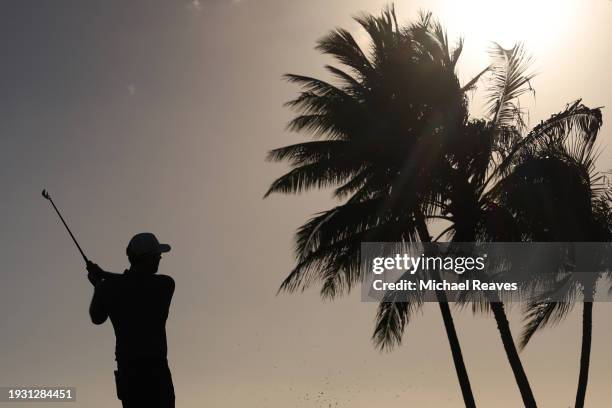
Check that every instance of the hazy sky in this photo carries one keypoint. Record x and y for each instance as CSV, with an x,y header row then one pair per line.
x,y
156,116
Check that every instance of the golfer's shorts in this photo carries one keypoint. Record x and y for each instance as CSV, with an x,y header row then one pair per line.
x,y
144,383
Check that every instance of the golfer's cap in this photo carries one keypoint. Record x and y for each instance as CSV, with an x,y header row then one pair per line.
x,y
145,243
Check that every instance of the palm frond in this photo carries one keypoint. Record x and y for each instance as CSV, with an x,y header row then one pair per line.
x,y
336,265
392,318
446,55
383,32
320,174
341,44
511,74
310,152
471,84
310,268
325,110
354,184
350,220
540,315
316,86
576,120
351,85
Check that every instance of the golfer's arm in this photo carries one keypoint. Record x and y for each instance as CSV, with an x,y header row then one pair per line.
x,y
97,274
97,311
109,275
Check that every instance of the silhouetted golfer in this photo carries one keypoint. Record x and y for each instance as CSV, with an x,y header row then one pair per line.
x,y
137,303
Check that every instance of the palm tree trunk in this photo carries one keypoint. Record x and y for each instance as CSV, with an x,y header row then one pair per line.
x,y
503,326
499,313
453,340
585,354
451,332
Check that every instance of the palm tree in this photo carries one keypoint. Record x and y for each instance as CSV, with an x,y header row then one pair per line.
x,y
497,221
474,154
383,134
405,94
487,151
514,209
560,171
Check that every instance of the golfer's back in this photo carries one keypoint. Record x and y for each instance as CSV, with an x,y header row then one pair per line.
x,y
138,308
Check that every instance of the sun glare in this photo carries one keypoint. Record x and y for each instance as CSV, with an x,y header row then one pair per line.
x,y
541,24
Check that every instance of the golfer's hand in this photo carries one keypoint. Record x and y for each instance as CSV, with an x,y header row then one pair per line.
x,y
94,273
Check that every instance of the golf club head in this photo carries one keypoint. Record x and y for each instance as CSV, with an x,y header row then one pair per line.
x,y
46,194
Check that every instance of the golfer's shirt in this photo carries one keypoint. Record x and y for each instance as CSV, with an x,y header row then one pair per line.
x,y
138,308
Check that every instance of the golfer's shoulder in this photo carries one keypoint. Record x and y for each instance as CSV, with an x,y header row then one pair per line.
x,y
165,281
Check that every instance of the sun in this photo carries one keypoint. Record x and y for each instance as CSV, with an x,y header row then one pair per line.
x,y
540,24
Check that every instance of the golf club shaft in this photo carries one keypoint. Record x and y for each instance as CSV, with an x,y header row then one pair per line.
x,y
70,232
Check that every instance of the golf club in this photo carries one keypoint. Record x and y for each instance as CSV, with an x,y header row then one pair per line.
x,y
45,194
